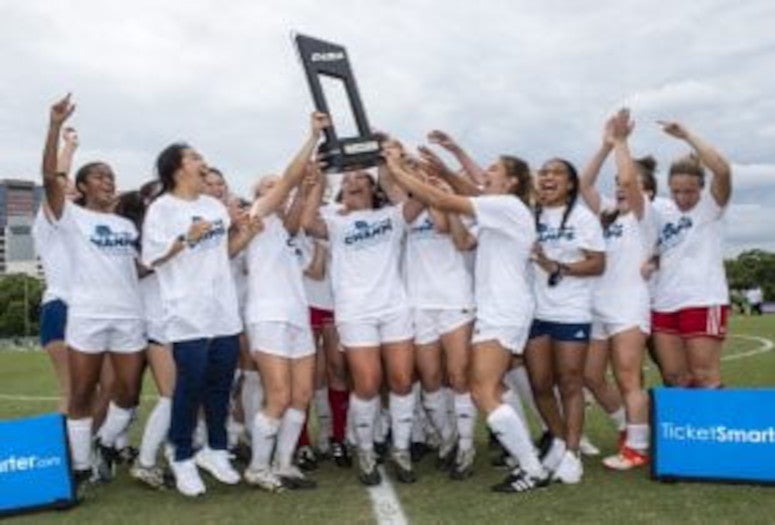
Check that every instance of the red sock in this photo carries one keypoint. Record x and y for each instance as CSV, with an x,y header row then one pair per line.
x,y
340,402
304,436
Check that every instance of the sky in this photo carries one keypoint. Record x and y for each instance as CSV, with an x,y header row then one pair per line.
x,y
535,79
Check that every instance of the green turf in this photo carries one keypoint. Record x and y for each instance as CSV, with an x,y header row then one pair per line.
x,y
603,497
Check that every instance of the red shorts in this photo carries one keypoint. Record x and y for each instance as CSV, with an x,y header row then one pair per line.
x,y
319,318
703,321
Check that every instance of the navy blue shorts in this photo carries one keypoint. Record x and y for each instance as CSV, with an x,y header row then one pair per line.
x,y
53,318
566,332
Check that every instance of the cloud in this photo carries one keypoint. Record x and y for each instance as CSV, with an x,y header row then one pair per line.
x,y
530,78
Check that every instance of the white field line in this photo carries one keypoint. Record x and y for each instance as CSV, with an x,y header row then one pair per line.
x,y
387,508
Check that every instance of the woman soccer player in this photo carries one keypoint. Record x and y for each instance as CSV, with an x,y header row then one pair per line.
x,y
621,320
691,299
570,251
503,297
105,310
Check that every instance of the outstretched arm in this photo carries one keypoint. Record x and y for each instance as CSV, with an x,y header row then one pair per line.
x,y
311,221
294,172
621,127
461,185
425,193
472,169
65,159
55,191
590,172
721,185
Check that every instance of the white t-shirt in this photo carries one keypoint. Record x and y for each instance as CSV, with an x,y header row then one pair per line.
x,y
50,247
366,255
505,237
275,289
435,271
570,301
621,294
102,249
197,289
754,296
691,263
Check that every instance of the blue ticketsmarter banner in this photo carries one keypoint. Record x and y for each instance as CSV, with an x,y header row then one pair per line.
x,y
34,464
714,435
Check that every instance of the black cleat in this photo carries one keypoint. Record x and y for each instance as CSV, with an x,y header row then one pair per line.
x,y
341,455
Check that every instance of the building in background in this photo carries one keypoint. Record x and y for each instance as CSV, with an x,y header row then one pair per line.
x,y
19,201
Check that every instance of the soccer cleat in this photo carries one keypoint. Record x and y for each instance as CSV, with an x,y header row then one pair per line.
x,y
187,479
520,481
341,454
401,461
447,454
587,448
418,450
554,454
150,476
83,482
464,464
104,462
263,478
570,470
293,479
626,459
127,455
306,459
367,468
217,464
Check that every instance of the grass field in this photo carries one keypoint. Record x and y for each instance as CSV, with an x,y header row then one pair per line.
x,y
603,497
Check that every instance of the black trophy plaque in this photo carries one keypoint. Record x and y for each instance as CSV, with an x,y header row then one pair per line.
x,y
328,72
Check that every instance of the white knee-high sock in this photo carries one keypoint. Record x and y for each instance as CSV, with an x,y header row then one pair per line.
x,y
363,413
122,440
156,429
418,423
381,424
263,439
288,436
638,437
512,399
252,396
465,417
401,415
79,435
512,434
116,421
435,405
519,381
350,435
619,418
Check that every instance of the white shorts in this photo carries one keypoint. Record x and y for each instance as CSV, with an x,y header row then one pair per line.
x,y
431,323
512,338
94,336
372,331
154,331
602,330
281,339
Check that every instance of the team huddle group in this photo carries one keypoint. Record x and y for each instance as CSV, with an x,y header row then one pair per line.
x,y
401,307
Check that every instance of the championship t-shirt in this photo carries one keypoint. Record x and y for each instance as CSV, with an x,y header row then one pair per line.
x,y
197,288
691,263
570,301
505,236
50,247
366,255
102,251
435,270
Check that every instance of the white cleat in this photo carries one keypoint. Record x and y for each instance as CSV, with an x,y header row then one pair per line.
x,y
263,478
187,479
554,455
217,463
587,448
570,470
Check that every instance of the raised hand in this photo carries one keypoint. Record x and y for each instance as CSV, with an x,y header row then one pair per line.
x,y
442,139
319,121
433,160
620,125
674,129
61,111
70,137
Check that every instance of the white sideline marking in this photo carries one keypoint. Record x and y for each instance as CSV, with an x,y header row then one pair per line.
x,y
765,346
387,508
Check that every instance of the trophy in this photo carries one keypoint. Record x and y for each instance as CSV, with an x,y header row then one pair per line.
x,y
349,143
